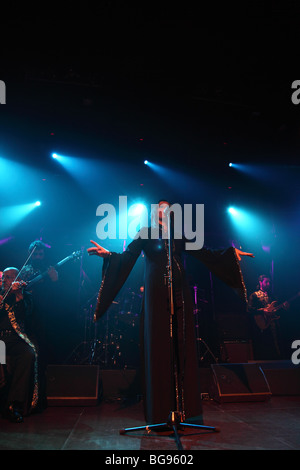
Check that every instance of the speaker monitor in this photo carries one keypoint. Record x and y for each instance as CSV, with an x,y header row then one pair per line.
x,y
239,383
73,385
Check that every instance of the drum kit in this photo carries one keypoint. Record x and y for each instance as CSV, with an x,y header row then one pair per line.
x,y
113,341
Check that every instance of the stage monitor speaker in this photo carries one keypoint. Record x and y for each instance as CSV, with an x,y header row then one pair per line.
x,y
238,383
73,385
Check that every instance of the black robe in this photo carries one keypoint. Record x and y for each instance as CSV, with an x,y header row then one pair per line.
x,y
156,345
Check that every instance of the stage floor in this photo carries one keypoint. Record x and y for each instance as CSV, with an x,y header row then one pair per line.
x,y
269,425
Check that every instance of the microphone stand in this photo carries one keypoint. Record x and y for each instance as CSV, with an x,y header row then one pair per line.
x,y
176,418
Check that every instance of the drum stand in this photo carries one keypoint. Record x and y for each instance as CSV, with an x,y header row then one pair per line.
x,y
176,419
86,352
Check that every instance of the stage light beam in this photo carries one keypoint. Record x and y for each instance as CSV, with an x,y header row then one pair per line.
x,y
249,223
232,211
136,209
11,216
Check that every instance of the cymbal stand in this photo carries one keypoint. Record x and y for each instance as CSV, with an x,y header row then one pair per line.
x,y
198,339
176,418
81,354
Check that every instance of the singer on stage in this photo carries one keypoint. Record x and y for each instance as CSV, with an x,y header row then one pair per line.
x,y
157,368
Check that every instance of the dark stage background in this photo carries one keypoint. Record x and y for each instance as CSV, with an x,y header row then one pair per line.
x,y
189,89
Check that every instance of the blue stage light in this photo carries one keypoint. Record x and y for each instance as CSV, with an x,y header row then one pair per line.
x,y
11,216
249,223
137,209
232,211
60,158
146,162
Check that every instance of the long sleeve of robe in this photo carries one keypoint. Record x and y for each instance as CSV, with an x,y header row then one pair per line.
x,y
157,347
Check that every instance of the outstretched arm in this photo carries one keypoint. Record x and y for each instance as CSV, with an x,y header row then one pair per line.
x,y
115,270
98,250
225,264
240,253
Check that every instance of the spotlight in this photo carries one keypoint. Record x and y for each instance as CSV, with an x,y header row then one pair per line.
x,y
249,222
146,162
137,209
232,211
230,164
11,216
54,155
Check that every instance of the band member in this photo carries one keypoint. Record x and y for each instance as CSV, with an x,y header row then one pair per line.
x,y
21,381
160,396
38,263
265,333
43,293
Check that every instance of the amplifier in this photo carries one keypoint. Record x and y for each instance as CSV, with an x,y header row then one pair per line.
x,y
236,351
73,385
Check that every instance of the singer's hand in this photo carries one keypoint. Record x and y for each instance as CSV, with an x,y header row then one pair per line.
x,y
98,250
240,253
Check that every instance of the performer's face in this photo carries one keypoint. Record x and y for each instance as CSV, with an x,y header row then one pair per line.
x,y
8,277
38,257
265,284
163,205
